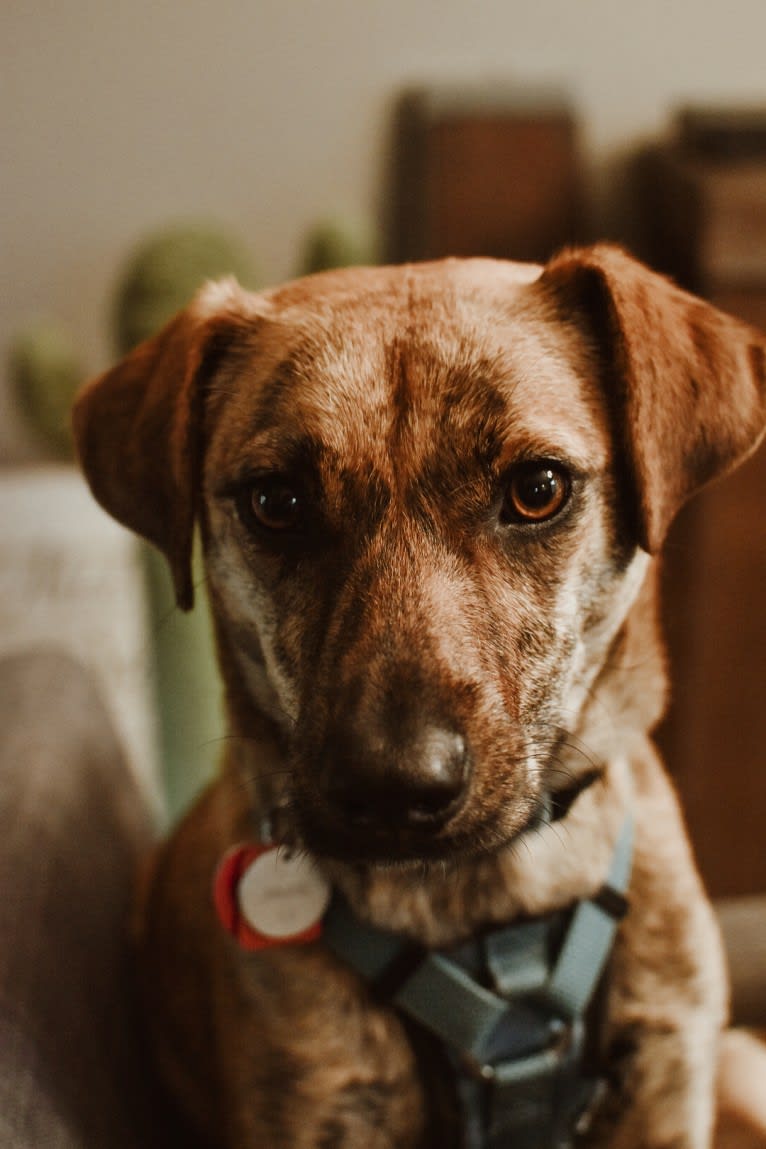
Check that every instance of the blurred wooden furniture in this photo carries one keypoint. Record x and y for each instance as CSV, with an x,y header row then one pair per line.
x,y
705,195
484,171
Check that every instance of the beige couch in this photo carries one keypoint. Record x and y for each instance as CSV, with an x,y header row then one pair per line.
x,y
73,826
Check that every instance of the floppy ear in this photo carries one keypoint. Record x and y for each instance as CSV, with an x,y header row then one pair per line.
x,y
138,427
687,383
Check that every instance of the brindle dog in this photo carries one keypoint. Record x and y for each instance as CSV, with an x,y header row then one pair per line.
x,y
429,499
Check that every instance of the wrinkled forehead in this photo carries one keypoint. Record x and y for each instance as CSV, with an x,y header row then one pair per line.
x,y
387,377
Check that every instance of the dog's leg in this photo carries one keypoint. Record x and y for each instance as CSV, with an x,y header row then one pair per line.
x,y
319,1066
667,996
285,1047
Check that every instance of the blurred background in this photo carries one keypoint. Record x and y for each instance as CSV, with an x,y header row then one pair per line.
x,y
148,146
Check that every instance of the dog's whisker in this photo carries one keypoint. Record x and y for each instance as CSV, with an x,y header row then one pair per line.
x,y
266,775
584,752
231,738
558,829
158,625
560,772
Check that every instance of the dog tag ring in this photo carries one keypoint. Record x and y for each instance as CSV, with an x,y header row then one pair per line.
x,y
267,897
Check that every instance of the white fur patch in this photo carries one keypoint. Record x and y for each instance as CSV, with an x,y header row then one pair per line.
x,y
591,649
249,613
226,295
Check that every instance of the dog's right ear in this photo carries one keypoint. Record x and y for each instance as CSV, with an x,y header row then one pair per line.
x,y
138,427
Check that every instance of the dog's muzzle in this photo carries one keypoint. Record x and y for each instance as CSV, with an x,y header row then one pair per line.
x,y
374,795
418,783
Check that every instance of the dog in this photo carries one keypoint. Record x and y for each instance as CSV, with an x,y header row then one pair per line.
x,y
430,499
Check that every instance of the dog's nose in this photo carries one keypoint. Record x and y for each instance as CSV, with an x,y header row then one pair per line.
x,y
422,784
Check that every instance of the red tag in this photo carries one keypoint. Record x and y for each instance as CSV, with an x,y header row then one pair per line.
x,y
267,897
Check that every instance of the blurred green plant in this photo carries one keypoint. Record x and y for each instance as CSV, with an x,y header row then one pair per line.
x,y
45,372
164,273
337,242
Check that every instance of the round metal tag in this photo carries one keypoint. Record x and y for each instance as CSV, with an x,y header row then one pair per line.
x,y
282,895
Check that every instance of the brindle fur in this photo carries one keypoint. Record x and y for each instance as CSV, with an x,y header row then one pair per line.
x,y
397,400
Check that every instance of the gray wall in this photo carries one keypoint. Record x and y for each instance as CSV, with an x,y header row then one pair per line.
x,y
118,117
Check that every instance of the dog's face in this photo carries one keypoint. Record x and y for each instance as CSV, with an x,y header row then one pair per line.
x,y
427,496
413,545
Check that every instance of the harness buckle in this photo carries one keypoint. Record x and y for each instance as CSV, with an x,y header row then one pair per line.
x,y
475,1069
532,1097
565,1040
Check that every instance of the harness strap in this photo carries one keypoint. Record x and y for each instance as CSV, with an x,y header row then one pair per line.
x,y
437,992
539,1100
591,934
518,1043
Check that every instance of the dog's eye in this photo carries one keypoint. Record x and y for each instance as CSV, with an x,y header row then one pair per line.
x,y
271,504
535,492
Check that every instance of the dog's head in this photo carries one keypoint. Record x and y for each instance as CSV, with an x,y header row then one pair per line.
x,y
427,497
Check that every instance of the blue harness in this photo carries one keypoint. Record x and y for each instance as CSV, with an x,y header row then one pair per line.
x,y
509,1005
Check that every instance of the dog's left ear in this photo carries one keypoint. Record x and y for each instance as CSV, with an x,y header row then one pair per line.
x,y
138,427
687,383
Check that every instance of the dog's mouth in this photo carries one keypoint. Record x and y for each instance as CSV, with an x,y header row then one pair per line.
x,y
396,827
386,845
382,840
